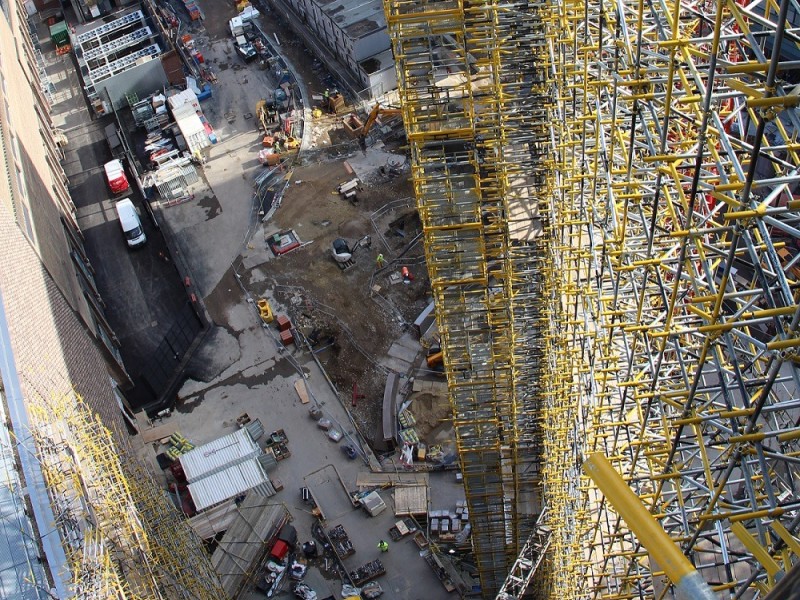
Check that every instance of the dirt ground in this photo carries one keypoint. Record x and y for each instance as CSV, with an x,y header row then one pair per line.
x,y
349,328
350,317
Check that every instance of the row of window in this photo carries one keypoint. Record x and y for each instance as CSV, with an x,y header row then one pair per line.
x,y
60,195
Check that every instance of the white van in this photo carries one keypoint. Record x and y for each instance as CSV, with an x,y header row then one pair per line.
x,y
131,225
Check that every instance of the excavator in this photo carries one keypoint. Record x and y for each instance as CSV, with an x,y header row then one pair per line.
x,y
355,127
342,253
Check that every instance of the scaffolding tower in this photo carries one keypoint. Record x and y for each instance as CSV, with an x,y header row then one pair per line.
x,y
475,109
122,535
607,192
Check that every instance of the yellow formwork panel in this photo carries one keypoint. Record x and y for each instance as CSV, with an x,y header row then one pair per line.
x,y
479,168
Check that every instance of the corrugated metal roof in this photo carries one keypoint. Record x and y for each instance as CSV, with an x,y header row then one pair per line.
x,y
215,456
227,483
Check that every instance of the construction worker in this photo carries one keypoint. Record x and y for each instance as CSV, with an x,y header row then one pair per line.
x,y
380,261
383,546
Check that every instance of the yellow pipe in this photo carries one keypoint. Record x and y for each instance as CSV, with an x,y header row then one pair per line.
x,y
757,550
650,534
781,344
773,101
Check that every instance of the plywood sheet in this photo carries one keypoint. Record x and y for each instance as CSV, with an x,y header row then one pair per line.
x,y
410,500
300,388
158,433
370,480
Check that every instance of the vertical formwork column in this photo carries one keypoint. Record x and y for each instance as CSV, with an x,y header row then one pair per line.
x,y
474,101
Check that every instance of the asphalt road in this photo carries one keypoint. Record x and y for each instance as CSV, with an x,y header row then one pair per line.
x,y
143,292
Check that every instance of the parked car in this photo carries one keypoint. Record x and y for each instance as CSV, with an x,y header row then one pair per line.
x,y
130,223
116,179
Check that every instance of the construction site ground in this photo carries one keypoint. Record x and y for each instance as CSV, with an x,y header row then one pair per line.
x,y
354,315
358,320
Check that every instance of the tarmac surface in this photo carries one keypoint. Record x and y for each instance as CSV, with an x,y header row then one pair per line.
x,y
142,290
240,366
247,370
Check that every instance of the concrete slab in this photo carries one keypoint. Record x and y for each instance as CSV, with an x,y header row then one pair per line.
x,y
212,229
329,492
366,166
403,353
395,364
409,341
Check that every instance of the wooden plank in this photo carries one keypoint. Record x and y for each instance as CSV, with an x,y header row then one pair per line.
x,y
410,500
158,433
369,480
300,388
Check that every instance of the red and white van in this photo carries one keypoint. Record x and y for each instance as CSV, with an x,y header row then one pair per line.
x,y
115,177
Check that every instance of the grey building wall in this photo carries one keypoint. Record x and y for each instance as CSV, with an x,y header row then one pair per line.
x,y
142,79
352,30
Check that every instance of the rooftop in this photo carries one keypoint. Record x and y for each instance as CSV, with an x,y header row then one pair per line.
x,y
378,62
357,18
110,46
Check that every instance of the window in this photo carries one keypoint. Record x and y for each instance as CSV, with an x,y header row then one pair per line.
x,y
15,147
26,215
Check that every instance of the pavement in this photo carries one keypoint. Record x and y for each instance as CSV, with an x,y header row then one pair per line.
x,y
142,291
240,366
247,370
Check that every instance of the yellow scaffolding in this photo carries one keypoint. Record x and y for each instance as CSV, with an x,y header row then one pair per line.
x,y
469,87
680,143
607,192
122,536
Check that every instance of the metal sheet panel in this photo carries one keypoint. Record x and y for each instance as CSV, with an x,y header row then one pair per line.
x,y
215,456
255,428
227,483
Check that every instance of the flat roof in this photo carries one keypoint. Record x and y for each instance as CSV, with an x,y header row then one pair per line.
x,y
357,18
117,43
378,62
228,483
219,454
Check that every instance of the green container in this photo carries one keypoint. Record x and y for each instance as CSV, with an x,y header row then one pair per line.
x,y
59,34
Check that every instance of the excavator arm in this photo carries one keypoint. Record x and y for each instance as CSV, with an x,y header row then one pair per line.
x,y
376,112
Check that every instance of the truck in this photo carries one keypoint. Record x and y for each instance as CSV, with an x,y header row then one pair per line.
x,y
243,47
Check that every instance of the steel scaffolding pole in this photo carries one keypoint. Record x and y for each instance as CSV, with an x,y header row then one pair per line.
x,y
474,108
682,139
608,197
122,536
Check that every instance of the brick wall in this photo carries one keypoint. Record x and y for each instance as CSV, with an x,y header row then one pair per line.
x,y
53,350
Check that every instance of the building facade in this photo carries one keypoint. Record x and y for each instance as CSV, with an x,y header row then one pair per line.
x,y
34,188
354,32
55,346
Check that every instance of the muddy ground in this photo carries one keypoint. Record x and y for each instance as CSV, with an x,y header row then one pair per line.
x,y
349,317
349,326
